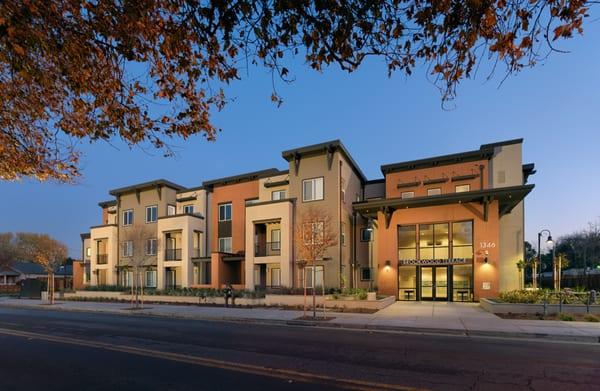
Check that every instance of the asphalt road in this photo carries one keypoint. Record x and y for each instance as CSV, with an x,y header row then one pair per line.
x,y
54,350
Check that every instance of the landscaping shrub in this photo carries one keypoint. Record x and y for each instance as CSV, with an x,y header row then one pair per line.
x,y
565,317
106,288
591,318
522,296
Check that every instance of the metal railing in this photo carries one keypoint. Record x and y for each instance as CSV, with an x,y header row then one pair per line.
x,y
197,253
173,254
267,249
568,296
101,259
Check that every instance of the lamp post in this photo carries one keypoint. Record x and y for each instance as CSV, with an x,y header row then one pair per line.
x,y
548,241
370,230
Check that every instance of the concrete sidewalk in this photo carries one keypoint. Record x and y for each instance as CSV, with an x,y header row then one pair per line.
x,y
420,317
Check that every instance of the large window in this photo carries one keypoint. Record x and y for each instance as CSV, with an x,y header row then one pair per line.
x,y
407,243
462,275
171,210
225,245
151,214
150,278
434,191
128,217
318,276
462,188
462,240
433,241
203,273
312,189
88,252
151,246
365,274
127,248
278,195
225,212
407,282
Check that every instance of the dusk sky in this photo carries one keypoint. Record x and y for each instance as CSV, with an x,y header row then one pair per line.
x,y
554,107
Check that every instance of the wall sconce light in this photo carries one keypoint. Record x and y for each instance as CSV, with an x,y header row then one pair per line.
x,y
485,260
388,263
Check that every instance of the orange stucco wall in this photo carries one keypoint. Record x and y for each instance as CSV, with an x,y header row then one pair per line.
x,y
78,270
237,194
483,232
393,179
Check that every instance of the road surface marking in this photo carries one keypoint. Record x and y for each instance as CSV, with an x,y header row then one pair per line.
x,y
285,374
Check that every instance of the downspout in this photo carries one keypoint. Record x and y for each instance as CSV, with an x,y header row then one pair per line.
x,y
293,249
352,272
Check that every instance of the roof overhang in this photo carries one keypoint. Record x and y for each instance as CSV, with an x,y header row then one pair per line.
x,y
507,197
145,186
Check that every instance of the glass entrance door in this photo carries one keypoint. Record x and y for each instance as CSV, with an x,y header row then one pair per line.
x,y
434,283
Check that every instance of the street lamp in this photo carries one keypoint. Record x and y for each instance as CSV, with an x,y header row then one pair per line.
x,y
539,254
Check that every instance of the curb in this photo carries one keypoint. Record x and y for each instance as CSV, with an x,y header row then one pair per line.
x,y
331,325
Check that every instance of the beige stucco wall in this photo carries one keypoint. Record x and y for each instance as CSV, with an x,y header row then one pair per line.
x,y
185,225
506,170
312,167
264,193
281,211
108,233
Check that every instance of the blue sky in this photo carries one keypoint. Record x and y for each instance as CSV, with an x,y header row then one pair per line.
x,y
554,107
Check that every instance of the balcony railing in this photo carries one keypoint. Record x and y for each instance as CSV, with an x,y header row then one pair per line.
x,y
101,259
197,253
173,254
267,249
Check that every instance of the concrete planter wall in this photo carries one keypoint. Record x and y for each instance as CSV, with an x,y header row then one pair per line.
x,y
330,302
167,299
517,308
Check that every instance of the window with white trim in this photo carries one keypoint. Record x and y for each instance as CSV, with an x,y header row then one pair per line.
x,y
225,212
318,276
278,195
127,248
408,194
434,191
151,245
151,278
312,189
151,214
171,210
127,217
462,188
225,245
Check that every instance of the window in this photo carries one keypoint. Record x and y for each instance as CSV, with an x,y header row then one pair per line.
x,y
312,189
151,247
462,240
171,210
313,232
365,235
278,195
225,245
128,248
462,188
276,239
276,277
151,214
408,194
128,217
433,241
225,212
435,191
318,276
151,278
126,278
88,252
188,209
407,243
202,271
365,274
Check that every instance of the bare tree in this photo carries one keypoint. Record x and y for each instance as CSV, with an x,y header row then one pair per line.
x,y
45,251
313,235
8,250
143,255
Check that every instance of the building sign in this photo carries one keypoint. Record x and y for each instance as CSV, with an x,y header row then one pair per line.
x,y
486,286
426,262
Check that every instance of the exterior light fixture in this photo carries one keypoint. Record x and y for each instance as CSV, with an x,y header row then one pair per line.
x,y
485,260
549,242
388,263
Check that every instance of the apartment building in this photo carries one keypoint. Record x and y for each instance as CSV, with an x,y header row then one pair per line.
x,y
442,228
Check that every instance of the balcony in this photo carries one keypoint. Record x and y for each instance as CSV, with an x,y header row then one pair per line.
x,y
267,249
173,254
197,253
102,259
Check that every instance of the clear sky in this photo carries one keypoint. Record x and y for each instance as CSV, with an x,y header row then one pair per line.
x,y
555,107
